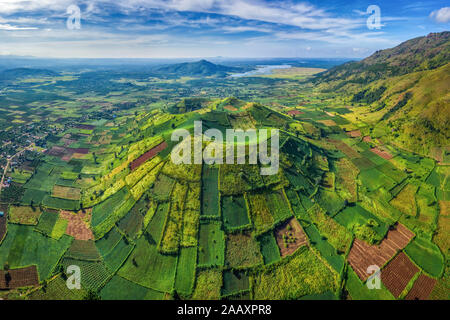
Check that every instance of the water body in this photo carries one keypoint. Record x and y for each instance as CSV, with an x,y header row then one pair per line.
x,y
261,70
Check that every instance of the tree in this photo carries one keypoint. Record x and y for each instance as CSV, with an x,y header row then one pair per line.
x,y
92,295
7,274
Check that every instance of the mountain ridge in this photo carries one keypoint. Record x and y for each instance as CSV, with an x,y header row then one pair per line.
x,y
403,92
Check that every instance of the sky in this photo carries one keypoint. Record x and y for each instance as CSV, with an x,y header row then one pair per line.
x,y
212,28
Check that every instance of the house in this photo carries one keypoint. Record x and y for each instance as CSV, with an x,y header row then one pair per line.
x,y
2,214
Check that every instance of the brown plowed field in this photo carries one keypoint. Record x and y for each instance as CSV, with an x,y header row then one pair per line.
x,y
347,150
398,273
382,153
421,289
294,112
354,133
77,226
362,255
147,156
22,277
294,235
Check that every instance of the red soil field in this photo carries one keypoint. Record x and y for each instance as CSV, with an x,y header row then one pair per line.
x,y
362,255
77,226
230,108
78,150
445,207
293,231
397,274
367,139
22,277
346,149
421,289
382,153
57,151
294,112
354,133
85,126
147,156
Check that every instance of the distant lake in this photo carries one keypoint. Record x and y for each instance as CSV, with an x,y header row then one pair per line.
x,y
261,70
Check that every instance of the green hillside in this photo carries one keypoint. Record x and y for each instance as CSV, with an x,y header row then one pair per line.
x,y
404,92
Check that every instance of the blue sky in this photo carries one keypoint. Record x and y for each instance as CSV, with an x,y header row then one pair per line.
x,y
210,28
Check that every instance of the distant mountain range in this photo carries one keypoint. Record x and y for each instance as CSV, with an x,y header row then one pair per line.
x,y
202,68
22,73
407,88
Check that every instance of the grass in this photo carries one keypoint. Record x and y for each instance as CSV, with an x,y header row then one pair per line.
x,y
117,256
405,200
260,212
83,250
269,248
363,223
119,288
278,205
234,213
242,251
426,255
66,193
94,274
24,215
211,245
303,274
158,275
208,284
162,188
325,248
47,222
155,227
330,201
23,247
234,282
174,223
108,242
359,291
185,277
111,216
59,229
337,235
210,192
56,289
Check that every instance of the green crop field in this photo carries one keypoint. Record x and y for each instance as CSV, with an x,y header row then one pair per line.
x,y
234,282
234,213
210,192
106,163
119,288
359,291
426,255
185,277
211,245
159,275
269,248
303,274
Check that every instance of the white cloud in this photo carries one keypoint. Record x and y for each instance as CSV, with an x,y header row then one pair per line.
x,y
228,29
9,27
442,15
14,6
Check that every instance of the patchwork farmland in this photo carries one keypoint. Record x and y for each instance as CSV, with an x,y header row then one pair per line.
x,y
96,187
